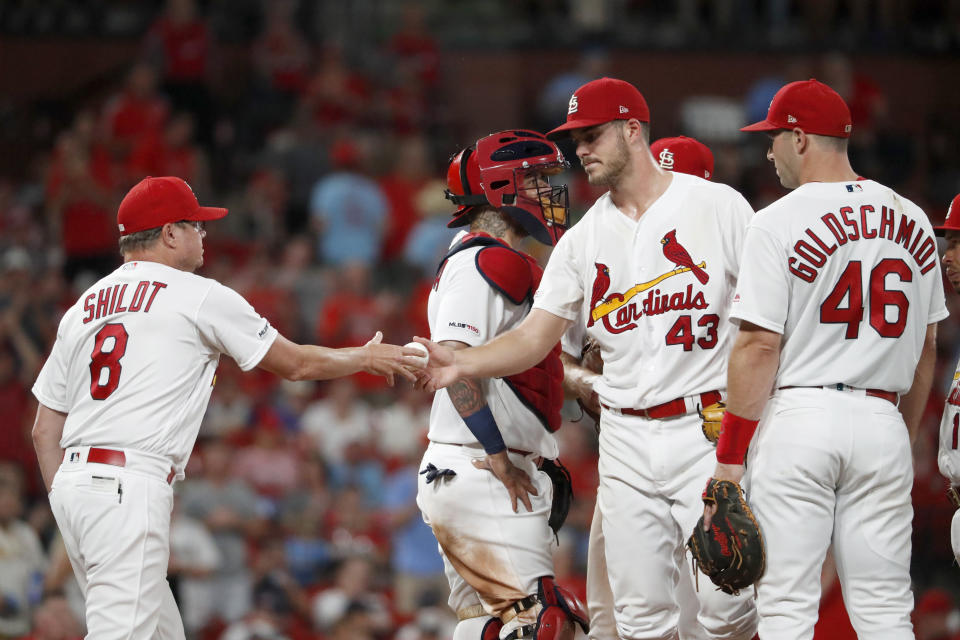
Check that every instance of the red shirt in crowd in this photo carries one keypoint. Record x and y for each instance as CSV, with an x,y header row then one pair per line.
x,y
186,49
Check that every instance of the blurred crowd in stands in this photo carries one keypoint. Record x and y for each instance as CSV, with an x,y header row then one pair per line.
x,y
298,517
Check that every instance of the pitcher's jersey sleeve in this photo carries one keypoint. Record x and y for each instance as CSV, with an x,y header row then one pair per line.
x,y
561,288
50,387
762,295
230,325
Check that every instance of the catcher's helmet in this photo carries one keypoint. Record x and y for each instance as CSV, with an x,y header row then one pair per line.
x,y
509,171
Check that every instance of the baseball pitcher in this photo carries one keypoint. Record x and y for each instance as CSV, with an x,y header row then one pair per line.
x,y
582,365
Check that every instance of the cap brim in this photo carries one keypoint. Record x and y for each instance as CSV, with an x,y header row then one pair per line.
x,y
942,231
209,213
564,130
763,125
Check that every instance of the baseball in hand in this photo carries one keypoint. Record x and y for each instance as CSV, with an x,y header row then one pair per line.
x,y
425,358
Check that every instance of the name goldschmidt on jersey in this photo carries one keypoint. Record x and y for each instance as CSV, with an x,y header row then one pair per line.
x,y
866,223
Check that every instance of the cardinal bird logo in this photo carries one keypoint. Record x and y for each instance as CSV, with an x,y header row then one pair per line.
x,y
675,252
601,283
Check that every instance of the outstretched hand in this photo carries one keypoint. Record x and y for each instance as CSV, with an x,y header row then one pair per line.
x,y
389,360
515,479
440,371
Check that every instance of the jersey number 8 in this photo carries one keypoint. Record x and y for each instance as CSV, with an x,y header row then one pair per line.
x,y
109,360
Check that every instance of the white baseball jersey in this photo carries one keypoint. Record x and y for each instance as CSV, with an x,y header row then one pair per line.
x,y
656,291
134,361
842,269
948,457
463,307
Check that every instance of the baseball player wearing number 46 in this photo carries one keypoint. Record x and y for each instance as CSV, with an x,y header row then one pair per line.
x,y
123,392
948,456
652,266
837,302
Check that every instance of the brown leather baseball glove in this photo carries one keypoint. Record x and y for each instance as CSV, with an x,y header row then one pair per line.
x,y
711,416
731,551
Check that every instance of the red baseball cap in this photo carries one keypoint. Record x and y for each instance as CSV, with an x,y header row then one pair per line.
x,y
809,105
952,221
685,155
601,101
153,202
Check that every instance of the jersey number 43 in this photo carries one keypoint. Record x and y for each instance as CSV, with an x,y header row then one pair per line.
x,y
850,289
105,366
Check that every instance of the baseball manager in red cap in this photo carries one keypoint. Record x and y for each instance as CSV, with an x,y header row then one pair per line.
x,y
123,392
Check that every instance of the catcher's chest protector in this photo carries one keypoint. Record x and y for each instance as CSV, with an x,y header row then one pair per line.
x,y
516,276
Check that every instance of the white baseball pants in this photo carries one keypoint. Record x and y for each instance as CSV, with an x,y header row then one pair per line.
x,y
652,475
488,551
603,626
833,465
115,523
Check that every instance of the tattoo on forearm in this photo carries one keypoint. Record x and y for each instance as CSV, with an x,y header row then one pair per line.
x,y
467,396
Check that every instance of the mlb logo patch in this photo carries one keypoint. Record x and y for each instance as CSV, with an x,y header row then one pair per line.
x,y
854,187
74,456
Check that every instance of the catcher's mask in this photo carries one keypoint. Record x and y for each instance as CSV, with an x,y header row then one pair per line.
x,y
510,171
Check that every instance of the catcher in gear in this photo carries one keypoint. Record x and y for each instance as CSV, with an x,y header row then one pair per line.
x,y
489,473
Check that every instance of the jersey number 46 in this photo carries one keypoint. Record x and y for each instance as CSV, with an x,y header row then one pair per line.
x,y
850,288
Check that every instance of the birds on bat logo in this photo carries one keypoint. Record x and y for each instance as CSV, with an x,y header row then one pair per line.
x,y
619,311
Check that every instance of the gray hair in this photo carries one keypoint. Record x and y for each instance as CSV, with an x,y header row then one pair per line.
x,y
140,240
